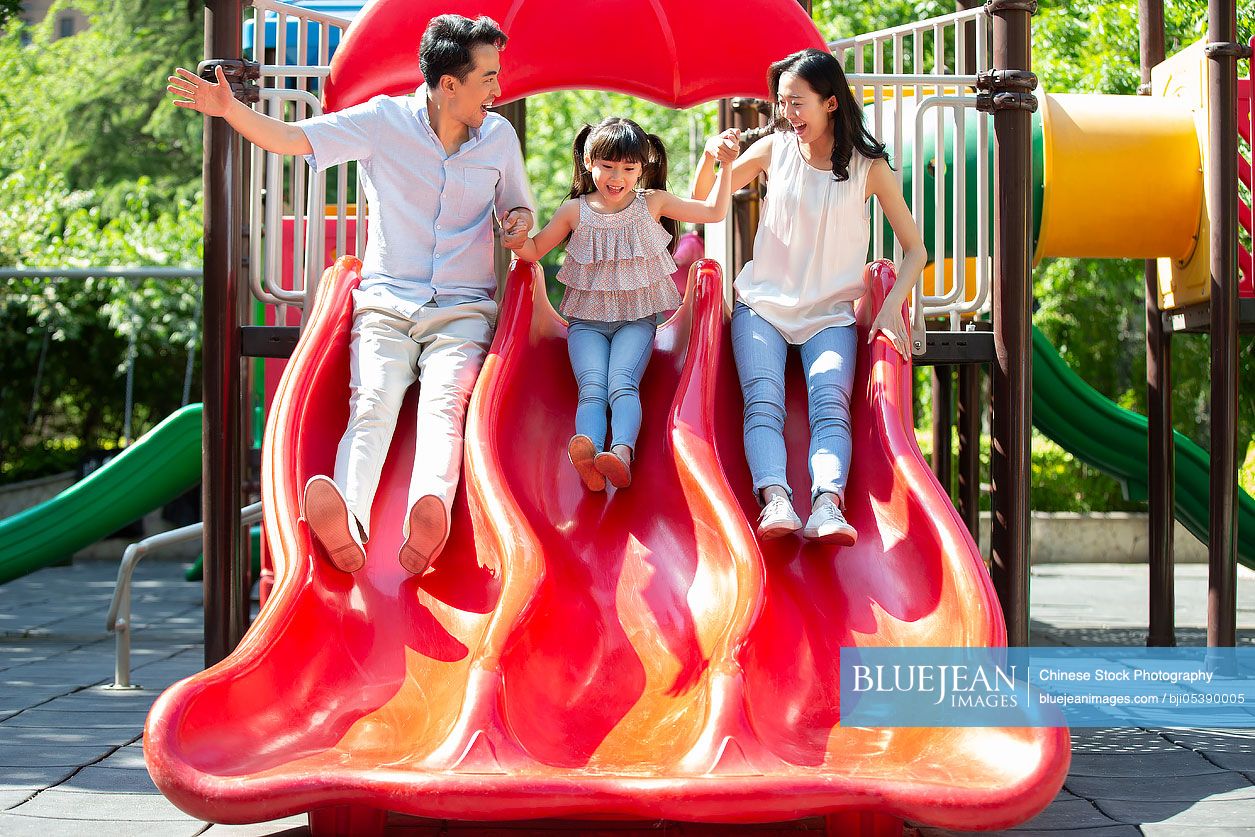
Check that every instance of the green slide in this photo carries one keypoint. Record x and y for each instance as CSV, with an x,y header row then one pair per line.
x,y
159,466
1099,432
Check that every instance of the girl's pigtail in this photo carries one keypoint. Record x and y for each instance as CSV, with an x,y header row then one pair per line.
x,y
655,173
654,176
581,179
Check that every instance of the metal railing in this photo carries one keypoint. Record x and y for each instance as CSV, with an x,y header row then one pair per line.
x,y
279,184
118,622
901,72
104,272
932,67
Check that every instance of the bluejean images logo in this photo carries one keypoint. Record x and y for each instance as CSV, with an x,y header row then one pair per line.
x,y
975,686
933,687
1012,687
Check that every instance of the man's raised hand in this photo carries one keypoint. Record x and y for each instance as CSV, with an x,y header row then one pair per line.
x,y
196,93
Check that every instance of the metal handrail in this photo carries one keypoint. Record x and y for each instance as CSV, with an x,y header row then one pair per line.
x,y
263,280
103,272
953,302
287,9
961,16
118,622
936,86
895,79
268,170
293,71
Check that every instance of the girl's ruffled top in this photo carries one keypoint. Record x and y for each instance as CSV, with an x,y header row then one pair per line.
x,y
617,266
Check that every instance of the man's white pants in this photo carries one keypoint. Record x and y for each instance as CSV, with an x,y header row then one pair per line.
x,y
444,349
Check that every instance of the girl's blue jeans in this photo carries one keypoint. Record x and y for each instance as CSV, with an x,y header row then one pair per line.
x,y
828,361
608,360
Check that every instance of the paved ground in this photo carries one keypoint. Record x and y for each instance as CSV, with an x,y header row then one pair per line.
x,y
71,759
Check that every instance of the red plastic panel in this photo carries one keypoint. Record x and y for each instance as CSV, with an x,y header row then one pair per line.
x,y
631,655
675,52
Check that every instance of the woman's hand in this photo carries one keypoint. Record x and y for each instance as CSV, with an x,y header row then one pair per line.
x,y
724,146
893,325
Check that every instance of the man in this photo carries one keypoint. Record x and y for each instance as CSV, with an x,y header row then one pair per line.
x,y
434,167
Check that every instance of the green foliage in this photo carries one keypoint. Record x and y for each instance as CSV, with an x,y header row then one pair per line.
x,y
9,10
94,171
83,329
97,169
840,19
50,456
1060,482
1094,310
100,116
1092,46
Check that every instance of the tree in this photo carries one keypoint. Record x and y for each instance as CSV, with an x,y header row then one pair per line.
x,y
101,118
8,10
1094,310
97,170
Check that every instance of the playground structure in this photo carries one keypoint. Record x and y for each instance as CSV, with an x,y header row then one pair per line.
x,y
1078,144
664,713
703,676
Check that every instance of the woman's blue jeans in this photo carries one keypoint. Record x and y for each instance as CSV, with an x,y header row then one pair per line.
x,y
608,360
828,361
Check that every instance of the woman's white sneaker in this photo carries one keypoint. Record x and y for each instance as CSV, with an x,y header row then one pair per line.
x,y
828,525
778,519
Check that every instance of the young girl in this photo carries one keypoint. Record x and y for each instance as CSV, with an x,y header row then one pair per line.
x,y
618,280
823,168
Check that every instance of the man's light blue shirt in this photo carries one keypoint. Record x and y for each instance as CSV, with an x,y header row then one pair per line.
x,y
431,213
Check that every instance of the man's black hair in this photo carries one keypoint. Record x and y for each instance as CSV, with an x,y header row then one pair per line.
x,y
447,43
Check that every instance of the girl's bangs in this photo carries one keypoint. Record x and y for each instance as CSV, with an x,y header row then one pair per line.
x,y
616,144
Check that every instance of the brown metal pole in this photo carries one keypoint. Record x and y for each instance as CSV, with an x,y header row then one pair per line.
x,y
1161,474
969,401
226,600
1222,199
516,113
744,115
969,447
1012,369
943,418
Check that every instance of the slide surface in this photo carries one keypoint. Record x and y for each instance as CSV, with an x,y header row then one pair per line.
x,y
158,467
622,655
1112,439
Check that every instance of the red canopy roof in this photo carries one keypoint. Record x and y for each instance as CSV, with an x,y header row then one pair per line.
x,y
678,53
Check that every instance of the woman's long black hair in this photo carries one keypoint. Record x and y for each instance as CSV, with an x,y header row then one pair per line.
x,y
826,77
618,140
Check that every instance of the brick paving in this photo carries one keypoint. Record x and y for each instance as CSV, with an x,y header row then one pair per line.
x,y
71,757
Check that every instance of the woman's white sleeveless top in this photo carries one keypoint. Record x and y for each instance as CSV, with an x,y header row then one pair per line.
x,y
811,245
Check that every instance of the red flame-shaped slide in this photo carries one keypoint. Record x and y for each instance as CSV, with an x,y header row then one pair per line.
x,y
627,655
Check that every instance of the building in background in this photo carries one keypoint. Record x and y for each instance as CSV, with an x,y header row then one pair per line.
x,y
69,21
